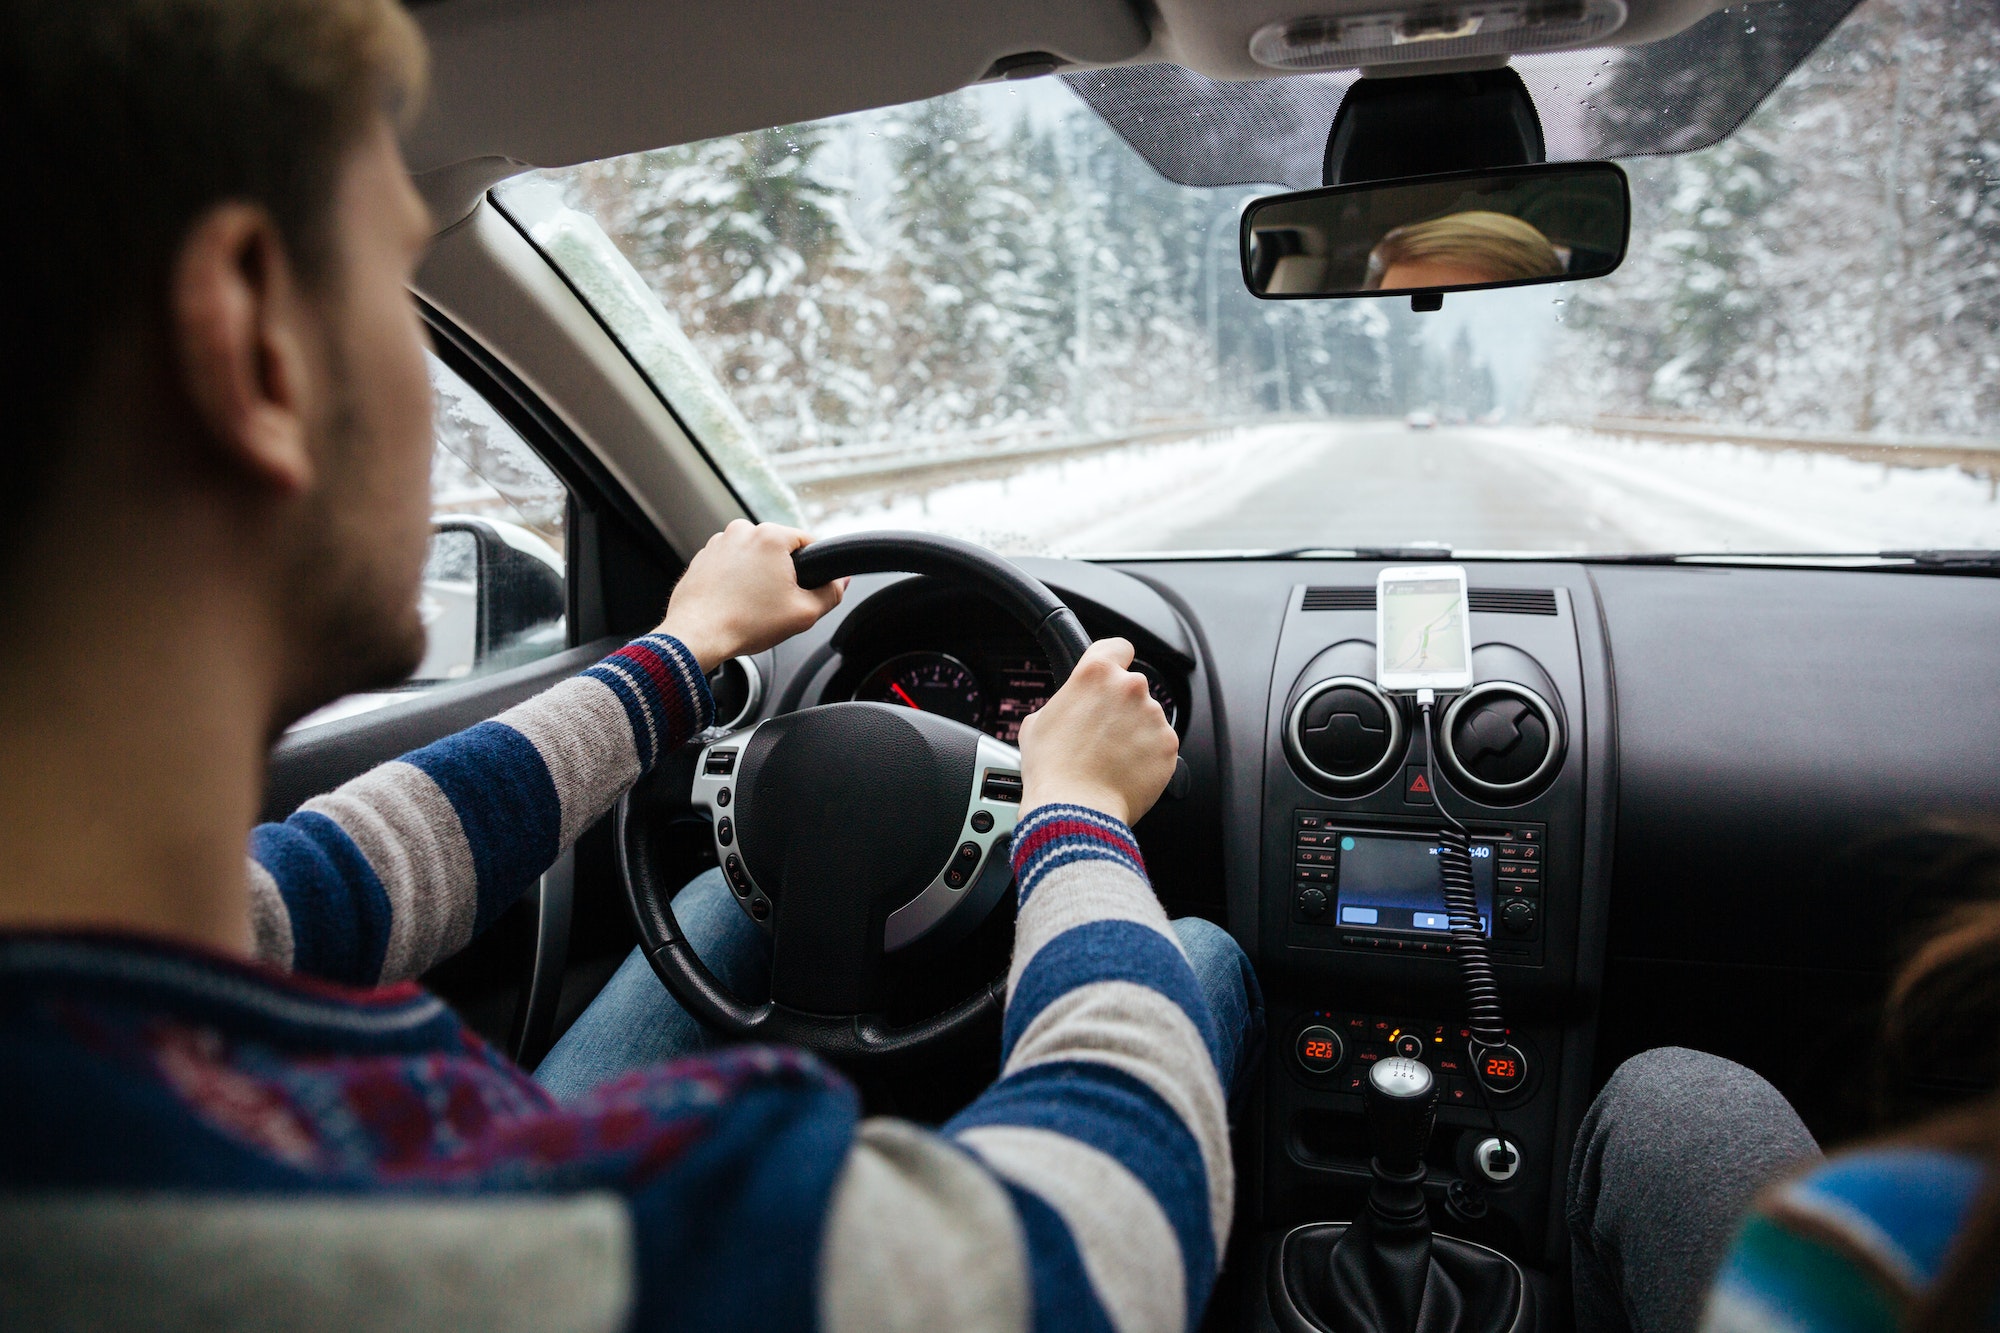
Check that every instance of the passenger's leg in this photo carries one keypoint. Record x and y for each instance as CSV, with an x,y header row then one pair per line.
x,y
1669,1158
1226,979
634,1022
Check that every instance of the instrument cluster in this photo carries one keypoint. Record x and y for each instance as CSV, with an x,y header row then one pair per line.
x,y
990,686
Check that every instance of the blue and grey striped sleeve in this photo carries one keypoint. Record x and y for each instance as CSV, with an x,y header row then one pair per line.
x,y
1091,1187
383,877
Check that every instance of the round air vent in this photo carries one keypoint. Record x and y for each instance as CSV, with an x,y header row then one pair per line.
x,y
1344,732
738,687
1500,741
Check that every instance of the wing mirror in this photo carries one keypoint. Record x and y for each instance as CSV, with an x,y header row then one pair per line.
x,y
1426,235
493,596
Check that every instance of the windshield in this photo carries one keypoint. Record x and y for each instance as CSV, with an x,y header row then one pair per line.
x,y
986,315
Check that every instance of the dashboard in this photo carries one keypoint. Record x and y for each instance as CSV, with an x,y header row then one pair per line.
x,y
1661,769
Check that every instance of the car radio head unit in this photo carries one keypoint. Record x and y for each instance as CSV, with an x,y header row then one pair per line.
x,y
1369,880
1389,881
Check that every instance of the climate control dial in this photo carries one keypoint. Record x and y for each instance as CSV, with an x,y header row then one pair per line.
x,y
1319,1049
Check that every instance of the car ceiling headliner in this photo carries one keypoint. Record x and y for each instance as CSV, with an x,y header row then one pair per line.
x,y
554,82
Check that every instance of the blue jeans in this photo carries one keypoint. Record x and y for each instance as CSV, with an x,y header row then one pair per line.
x,y
634,1022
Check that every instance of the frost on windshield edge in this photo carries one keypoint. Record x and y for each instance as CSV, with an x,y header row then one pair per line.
x,y
653,338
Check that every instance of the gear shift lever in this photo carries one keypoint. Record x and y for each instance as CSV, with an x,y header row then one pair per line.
x,y
1402,1106
1387,1273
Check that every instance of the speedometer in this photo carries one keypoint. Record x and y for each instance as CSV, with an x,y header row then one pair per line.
x,y
931,682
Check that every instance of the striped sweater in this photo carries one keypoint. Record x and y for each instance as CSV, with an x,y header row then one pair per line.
x,y
188,1140
1851,1247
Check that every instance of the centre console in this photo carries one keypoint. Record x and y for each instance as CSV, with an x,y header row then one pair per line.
x,y
1353,939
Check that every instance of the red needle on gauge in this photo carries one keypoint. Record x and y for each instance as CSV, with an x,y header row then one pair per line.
x,y
904,695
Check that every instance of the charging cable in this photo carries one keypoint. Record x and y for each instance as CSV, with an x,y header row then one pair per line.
x,y
1475,966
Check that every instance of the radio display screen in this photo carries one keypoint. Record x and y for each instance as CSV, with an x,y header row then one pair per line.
x,y
1391,883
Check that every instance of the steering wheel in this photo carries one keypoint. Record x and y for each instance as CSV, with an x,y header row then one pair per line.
x,y
851,831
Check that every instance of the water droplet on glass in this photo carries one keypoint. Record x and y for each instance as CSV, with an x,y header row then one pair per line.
x,y
1750,29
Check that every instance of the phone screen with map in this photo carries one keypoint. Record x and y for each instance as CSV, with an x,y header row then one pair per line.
x,y
1422,637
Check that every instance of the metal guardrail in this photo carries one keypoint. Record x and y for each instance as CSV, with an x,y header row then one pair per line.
x,y
1981,458
861,466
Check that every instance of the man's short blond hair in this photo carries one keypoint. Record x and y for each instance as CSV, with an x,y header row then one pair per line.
x,y
1495,243
123,121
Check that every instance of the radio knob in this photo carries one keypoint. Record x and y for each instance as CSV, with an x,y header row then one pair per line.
x,y
1319,1049
1518,917
1312,903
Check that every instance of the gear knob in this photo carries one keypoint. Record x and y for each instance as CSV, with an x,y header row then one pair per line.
x,y
1402,1104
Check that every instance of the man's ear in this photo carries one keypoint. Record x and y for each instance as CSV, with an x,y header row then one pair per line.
x,y
241,329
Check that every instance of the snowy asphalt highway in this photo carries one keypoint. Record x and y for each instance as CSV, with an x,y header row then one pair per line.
x,y
1523,489
1387,485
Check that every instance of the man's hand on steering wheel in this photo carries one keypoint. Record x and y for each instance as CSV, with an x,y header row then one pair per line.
x,y
741,594
1102,742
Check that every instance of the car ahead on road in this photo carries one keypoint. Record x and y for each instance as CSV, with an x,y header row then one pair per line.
x,y
1726,516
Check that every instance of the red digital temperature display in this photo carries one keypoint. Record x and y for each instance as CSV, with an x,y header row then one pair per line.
x,y
1500,1067
1318,1050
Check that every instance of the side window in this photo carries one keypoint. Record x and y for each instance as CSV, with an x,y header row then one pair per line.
x,y
493,591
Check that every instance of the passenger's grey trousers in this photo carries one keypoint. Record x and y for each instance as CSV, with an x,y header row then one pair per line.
x,y
1669,1158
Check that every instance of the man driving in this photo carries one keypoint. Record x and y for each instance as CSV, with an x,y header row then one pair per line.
x,y
224,1101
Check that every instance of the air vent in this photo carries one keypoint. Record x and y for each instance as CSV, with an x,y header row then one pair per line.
x,y
1513,601
1501,742
1344,733
1486,601
1338,599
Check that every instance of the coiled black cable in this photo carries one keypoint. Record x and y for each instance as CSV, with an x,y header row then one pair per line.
x,y
1475,966
1461,902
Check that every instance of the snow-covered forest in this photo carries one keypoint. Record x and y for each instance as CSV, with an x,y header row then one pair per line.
x,y
991,261
997,262
1835,264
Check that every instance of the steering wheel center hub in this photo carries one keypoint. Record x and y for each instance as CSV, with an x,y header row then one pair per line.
x,y
851,808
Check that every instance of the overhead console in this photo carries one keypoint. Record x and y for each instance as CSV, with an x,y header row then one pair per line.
x,y
1353,935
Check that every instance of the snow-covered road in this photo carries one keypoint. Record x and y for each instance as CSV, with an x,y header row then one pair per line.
x,y
1470,488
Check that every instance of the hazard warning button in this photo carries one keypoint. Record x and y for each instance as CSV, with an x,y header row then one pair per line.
x,y
1417,786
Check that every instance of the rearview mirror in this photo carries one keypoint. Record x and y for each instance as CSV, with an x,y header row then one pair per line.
x,y
1467,231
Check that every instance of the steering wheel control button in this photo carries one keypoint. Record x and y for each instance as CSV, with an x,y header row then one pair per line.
x,y
968,855
1319,1049
1312,904
1500,1069
721,762
1497,1159
738,877
1001,787
982,821
725,832
760,908
722,797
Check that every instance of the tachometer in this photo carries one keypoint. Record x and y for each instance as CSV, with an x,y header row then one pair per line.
x,y
933,682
